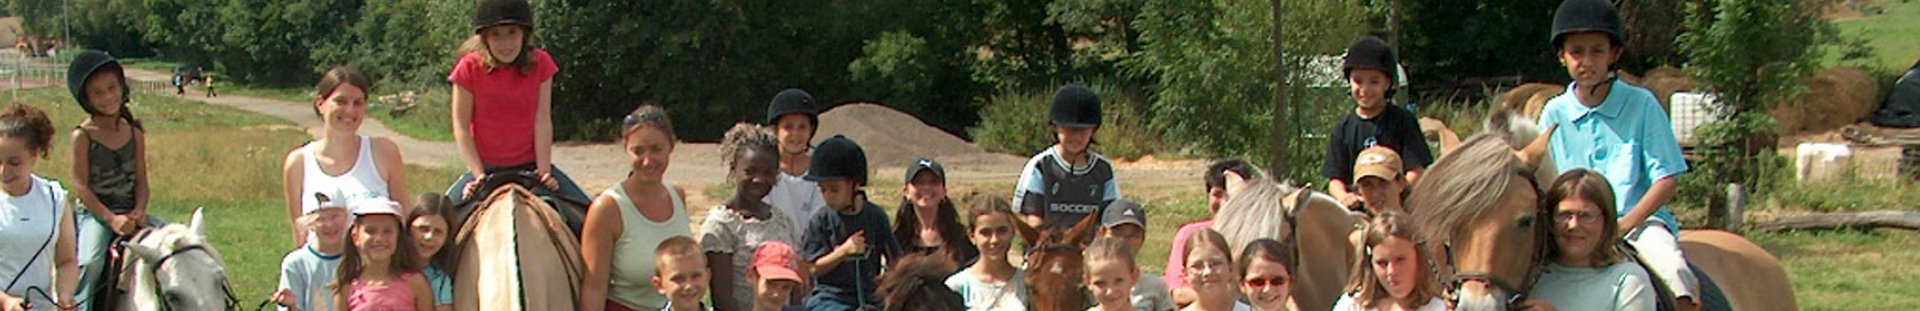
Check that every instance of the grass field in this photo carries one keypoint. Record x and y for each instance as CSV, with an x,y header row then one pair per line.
x,y
224,160
1889,34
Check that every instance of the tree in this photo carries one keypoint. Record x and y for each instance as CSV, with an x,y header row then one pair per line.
x,y
1507,38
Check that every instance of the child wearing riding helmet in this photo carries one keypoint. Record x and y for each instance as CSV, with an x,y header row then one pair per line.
x,y
927,222
1068,181
1392,272
795,119
379,270
1621,131
113,173
1211,274
342,162
503,101
733,231
37,262
1585,271
1267,267
1371,69
305,272
847,241
428,221
633,217
992,282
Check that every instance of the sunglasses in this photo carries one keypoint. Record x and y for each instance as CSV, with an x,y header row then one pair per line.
x,y
1265,282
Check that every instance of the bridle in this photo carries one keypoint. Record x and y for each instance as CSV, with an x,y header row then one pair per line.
x,y
1542,232
225,290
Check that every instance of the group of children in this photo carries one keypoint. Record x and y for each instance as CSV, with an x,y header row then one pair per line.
x,y
799,229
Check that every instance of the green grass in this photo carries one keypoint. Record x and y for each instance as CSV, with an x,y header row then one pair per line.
x,y
221,159
1889,34
429,119
1845,270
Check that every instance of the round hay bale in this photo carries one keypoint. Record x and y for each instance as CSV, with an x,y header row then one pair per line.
x,y
1666,80
1835,97
1530,98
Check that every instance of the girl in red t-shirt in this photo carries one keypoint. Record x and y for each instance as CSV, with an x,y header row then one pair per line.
x,y
502,100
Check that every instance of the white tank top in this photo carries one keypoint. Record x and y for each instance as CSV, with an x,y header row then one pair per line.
x,y
27,224
363,181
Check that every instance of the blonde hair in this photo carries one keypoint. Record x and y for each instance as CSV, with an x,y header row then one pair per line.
x,y
679,247
1365,285
1110,249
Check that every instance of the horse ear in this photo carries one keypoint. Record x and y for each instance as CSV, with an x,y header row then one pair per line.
x,y
147,253
1532,154
199,222
1082,232
1026,231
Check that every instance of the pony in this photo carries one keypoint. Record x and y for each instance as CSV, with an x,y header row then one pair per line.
x,y
1316,222
1056,266
514,251
173,268
1481,201
918,282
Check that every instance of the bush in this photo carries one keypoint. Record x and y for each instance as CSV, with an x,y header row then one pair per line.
x,y
1016,122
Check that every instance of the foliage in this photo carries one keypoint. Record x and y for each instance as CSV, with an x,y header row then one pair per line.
x,y
1752,54
1020,123
1508,37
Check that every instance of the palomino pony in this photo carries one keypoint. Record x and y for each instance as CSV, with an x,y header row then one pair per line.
x,y
513,251
1316,223
1482,202
1056,266
173,268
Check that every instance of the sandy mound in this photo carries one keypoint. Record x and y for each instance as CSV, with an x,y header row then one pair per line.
x,y
893,138
1835,97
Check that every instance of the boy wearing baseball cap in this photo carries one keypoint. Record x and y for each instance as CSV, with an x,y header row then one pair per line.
x,y
1127,221
305,272
774,277
1376,175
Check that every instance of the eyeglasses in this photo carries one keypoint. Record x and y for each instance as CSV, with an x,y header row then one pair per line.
x,y
1582,216
1265,282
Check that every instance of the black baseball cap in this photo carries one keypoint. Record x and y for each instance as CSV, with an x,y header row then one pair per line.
x,y
922,165
1121,212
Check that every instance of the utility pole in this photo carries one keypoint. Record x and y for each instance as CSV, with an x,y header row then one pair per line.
x,y
1278,145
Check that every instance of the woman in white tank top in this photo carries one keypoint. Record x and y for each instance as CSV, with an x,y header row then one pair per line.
x,y
341,161
629,220
38,265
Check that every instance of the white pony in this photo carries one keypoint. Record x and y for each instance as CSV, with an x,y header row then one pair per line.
x,y
173,268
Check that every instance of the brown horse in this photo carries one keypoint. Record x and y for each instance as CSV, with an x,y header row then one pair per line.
x,y
918,282
1482,202
1056,268
1316,222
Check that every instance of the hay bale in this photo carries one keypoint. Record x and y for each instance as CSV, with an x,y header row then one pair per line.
x,y
1666,80
1835,97
1530,98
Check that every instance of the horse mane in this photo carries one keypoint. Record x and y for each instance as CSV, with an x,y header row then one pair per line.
x,y
1463,185
918,282
175,236
1255,211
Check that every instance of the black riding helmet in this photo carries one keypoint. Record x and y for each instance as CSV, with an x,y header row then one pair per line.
x,y
85,66
1370,53
791,101
1075,106
1577,16
502,12
838,157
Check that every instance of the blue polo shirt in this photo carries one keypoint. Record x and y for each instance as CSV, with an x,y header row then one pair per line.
x,y
1628,139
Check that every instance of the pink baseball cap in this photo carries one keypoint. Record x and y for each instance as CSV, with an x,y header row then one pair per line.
x,y
775,260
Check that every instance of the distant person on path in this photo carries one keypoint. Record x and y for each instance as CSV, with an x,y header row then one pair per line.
x,y
112,177
209,81
503,101
1068,181
342,160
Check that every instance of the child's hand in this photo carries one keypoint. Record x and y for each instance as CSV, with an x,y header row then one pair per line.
x,y
855,245
120,224
284,297
10,303
139,218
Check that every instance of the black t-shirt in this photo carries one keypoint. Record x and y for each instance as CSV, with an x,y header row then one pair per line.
x,y
1394,128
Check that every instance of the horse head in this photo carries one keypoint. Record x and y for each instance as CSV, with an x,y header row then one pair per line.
x,y
918,282
1056,267
1261,208
175,269
1481,203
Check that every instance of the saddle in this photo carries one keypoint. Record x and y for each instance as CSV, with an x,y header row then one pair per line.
x,y
572,210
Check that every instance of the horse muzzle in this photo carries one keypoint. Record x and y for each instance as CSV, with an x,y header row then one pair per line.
x,y
1479,295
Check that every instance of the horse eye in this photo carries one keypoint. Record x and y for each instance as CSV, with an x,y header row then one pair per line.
x,y
1526,222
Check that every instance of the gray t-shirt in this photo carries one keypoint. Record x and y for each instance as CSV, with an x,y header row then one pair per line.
x,y
1151,294
1621,286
